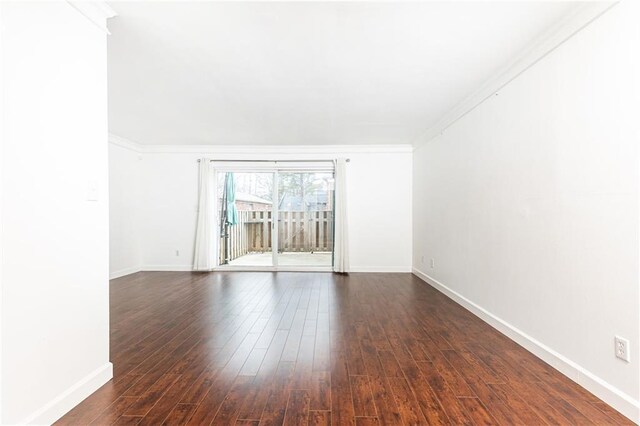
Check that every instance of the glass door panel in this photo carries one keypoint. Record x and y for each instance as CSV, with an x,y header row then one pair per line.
x,y
245,214
305,218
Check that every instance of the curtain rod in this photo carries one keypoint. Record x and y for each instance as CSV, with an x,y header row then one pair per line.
x,y
273,161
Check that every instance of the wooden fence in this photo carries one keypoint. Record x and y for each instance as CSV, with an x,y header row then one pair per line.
x,y
299,231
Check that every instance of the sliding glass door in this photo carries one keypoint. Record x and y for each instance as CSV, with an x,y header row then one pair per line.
x,y
305,218
275,215
245,217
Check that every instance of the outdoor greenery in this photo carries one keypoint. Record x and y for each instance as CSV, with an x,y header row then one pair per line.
x,y
290,184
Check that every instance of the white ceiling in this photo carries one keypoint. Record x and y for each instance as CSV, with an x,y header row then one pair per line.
x,y
254,73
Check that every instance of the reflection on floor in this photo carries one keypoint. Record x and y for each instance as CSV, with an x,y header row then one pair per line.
x,y
284,259
299,348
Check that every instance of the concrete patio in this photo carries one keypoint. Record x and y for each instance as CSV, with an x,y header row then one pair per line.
x,y
284,259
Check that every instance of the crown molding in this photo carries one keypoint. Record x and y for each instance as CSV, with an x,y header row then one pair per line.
x,y
257,149
543,45
95,11
276,149
125,143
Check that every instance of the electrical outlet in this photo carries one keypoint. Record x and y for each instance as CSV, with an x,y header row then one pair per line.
x,y
177,252
622,348
432,263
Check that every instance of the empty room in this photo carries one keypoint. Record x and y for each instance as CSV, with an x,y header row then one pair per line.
x,y
319,213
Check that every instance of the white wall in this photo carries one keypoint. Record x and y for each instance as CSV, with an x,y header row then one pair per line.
x,y
125,256
529,206
54,273
2,137
379,202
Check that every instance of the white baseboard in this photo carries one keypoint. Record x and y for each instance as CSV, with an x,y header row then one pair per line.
x,y
179,268
613,396
63,403
381,269
123,272
167,268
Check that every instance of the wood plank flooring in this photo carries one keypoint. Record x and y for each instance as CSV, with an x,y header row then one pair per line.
x,y
254,348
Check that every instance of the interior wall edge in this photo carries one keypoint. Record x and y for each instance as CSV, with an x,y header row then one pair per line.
x,y
2,136
71,397
124,272
613,396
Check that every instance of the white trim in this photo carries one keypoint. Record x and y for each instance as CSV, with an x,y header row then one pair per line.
x,y
97,12
534,52
258,151
277,149
167,268
125,143
274,150
381,269
613,396
71,397
124,272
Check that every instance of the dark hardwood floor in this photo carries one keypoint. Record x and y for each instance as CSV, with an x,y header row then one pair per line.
x,y
250,348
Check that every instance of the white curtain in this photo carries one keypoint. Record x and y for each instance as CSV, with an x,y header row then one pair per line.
x,y
341,242
204,253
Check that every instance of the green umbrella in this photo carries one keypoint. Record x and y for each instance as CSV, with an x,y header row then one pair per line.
x,y
230,189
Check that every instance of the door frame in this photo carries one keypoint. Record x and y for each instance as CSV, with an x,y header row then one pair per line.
x,y
274,167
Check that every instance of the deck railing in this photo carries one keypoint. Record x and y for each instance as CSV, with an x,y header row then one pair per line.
x,y
299,231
